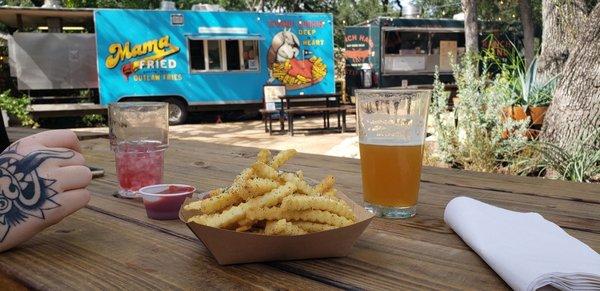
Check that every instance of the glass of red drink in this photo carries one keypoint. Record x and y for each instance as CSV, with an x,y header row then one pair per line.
x,y
139,138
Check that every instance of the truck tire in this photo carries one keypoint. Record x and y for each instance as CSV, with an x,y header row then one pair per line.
x,y
177,111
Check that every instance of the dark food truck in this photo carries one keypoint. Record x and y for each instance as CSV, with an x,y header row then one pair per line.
x,y
399,52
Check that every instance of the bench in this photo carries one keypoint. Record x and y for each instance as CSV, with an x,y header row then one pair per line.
x,y
312,104
267,117
66,109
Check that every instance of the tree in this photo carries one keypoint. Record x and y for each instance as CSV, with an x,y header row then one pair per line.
x,y
469,8
505,14
487,10
574,51
438,8
527,23
261,5
351,12
22,3
560,23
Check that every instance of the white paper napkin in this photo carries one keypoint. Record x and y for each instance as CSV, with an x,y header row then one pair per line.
x,y
525,249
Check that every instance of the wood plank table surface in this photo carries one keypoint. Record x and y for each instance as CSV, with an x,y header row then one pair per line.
x,y
111,244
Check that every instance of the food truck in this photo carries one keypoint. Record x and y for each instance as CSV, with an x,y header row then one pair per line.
x,y
400,52
211,58
195,60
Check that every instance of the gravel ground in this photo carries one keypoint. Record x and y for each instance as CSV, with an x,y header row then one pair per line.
x,y
252,134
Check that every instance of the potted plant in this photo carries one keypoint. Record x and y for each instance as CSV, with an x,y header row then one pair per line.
x,y
539,101
536,95
530,98
515,112
515,108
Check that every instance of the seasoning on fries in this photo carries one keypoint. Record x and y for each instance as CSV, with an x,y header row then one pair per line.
x,y
264,200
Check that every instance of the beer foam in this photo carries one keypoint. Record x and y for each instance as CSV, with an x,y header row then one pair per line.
x,y
378,129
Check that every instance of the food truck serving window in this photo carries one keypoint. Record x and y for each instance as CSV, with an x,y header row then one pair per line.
x,y
208,55
421,49
213,47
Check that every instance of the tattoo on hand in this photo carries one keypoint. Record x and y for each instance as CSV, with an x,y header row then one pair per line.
x,y
23,193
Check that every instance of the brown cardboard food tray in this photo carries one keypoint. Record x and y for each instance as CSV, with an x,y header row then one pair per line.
x,y
231,247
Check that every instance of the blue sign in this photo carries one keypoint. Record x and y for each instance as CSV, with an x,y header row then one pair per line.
x,y
212,57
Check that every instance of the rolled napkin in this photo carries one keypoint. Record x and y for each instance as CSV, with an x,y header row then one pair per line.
x,y
526,250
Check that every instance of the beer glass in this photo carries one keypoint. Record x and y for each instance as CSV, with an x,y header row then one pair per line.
x,y
391,131
139,136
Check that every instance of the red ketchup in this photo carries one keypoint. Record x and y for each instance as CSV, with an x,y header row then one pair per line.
x,y
165,204
174,189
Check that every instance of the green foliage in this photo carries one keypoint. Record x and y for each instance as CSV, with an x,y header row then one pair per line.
x,y
124,4
530,90
487,10
580,164
439,8
346,12
93,120
17,107
231,5
527,88
22,3
353,12
340,63
475,142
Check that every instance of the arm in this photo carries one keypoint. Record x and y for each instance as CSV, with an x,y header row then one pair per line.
x,y
42,180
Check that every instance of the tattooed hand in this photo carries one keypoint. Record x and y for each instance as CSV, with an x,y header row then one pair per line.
x,y
42,180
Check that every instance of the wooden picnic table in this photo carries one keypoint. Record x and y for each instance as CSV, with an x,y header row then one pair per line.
x,y
111,244
310,104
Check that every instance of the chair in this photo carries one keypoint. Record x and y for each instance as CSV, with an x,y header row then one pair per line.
x,y
272,106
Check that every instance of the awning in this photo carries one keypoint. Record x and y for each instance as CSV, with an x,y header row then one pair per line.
x,y
432,29
424,29
226,36
32,17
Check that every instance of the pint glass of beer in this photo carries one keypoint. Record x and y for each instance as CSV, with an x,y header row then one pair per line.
x,y
391,131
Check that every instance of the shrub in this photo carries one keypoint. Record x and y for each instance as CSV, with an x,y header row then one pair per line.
x,y
470,136
475,142
93,120
17,107
582,164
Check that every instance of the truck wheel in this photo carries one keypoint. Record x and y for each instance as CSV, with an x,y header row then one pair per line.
x,y
177,111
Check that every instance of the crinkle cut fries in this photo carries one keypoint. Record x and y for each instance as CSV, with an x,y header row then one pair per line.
x,y
264,200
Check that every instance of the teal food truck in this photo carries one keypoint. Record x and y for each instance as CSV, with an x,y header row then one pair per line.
x,y
191,58
195,60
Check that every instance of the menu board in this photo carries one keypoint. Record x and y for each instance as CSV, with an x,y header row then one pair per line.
x,y
272,94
